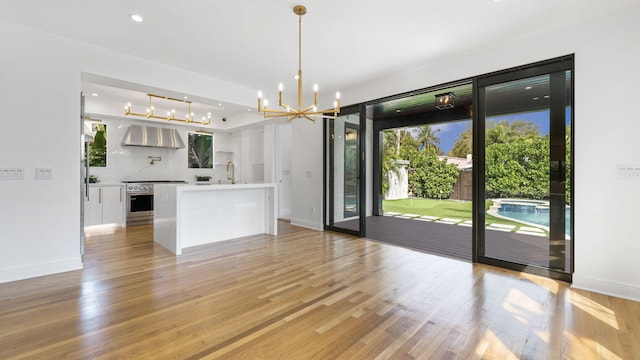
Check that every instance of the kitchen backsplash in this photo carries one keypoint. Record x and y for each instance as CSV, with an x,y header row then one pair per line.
x,y
133,162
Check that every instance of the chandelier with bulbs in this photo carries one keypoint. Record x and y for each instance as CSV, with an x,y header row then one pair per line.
x,y
310,112
171,115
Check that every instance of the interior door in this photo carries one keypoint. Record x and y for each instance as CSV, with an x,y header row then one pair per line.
x,y
525,119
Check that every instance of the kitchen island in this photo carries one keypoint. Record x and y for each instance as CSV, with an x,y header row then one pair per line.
x,y
190,215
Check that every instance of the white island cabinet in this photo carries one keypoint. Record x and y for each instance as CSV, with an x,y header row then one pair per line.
x,y
191,215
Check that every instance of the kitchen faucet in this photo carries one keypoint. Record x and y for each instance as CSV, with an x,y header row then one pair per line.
x,y
231,174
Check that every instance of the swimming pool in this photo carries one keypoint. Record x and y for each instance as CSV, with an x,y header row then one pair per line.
x,y
531,211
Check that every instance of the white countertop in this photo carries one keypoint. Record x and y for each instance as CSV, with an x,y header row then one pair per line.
x,y
214,186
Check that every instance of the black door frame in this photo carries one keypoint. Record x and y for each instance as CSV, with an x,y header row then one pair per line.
x,y
328,178
550,67
563,62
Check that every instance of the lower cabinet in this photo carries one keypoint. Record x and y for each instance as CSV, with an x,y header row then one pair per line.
x,y
105,206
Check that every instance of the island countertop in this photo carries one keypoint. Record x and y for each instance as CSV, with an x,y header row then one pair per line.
x,y
187,215
215,186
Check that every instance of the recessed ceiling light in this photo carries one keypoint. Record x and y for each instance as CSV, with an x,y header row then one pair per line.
x,y
546,96
94,94
536,98
528,88
136,17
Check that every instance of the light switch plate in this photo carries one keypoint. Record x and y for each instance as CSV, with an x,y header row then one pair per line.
x,y
11,174
44,174
628,172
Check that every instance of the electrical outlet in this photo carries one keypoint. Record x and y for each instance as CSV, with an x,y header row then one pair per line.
x,y
11,174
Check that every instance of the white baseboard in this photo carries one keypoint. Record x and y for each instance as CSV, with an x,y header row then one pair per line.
x,y
27,272
606,287
307,224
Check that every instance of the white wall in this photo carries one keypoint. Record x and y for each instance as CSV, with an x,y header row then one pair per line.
x,y
307,174
283,169
251,164
607,58
40,83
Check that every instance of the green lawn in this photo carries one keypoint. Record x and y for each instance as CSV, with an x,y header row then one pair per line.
x,y
440,208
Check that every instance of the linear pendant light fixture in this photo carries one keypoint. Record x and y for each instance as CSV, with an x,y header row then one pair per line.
x,y
171,115
310,112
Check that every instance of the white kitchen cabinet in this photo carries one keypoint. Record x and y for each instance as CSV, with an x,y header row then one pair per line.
x,y
93,207
106,205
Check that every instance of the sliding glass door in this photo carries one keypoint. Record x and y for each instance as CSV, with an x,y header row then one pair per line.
x,y
525,132
351,170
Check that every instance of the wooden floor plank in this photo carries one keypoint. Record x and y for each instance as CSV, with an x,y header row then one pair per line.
x,y
302,294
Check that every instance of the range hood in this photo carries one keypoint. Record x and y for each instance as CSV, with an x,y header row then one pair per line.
x,y
138,135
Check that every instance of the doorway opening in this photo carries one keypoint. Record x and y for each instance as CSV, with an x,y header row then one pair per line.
x,y
423,171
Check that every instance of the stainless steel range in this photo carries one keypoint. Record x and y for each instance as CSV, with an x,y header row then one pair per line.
x,y
140,200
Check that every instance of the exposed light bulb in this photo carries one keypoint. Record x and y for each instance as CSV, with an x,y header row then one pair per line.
x,y
338,95
315,87
280,87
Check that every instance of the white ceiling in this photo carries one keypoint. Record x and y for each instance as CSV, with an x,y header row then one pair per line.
x,y
254,42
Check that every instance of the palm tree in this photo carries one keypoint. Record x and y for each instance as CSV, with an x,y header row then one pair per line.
x,y
428,140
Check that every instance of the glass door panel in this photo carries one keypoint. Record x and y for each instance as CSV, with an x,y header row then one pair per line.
x,y
526,147
351,171
343,169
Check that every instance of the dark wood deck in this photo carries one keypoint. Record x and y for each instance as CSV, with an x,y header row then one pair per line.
x,y
456,241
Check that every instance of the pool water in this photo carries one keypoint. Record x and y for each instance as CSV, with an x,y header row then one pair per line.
x,y
528,211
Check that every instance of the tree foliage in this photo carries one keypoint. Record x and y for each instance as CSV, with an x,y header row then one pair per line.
x,y
432,178
428,176
463,144
98,147
519,168
428,139
502,132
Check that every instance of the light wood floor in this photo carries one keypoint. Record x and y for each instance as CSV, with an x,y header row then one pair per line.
x,y
302,295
